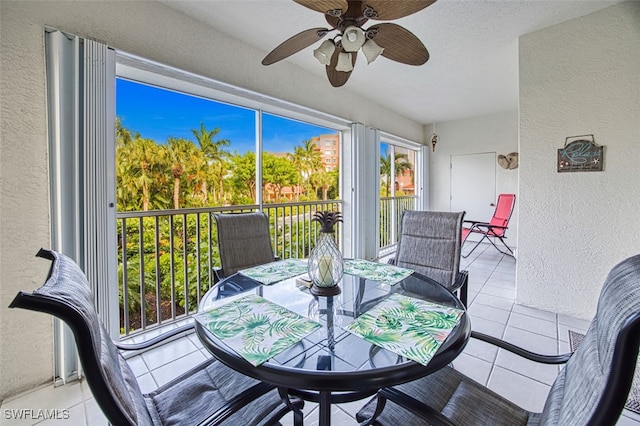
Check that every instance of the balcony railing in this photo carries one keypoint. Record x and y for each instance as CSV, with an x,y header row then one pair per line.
x,y
391,209
166,258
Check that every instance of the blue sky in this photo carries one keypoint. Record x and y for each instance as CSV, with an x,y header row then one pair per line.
x,y
159,114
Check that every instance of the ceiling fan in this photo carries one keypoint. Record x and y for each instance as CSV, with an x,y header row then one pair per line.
x,y
347,17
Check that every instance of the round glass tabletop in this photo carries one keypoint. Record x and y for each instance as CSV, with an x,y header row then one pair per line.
x,y
331,358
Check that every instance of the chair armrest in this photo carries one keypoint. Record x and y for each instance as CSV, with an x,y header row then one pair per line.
x,y
476,227
462,286
217,274
154,341
532,356
488,226
461,280
475,222
494,226
433,417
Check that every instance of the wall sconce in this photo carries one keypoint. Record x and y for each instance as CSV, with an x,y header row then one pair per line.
x,y
434,141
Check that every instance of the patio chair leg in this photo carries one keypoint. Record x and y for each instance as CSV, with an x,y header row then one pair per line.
x,y
510,253
474,247
463,294
379,407
294,407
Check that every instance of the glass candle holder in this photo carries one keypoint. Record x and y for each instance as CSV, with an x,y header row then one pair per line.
x,y
325,266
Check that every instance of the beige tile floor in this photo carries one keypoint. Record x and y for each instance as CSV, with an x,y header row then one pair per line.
x,y
492,309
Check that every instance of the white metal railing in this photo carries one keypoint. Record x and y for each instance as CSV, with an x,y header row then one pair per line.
x,y
391,209
166,257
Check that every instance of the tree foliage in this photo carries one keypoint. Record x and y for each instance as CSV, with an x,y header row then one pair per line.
x,y
165,260
402,164
183,173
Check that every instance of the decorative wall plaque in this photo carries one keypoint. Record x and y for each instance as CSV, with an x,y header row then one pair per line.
x,y
582,154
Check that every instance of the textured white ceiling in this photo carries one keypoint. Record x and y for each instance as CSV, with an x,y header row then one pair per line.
x,y
473,46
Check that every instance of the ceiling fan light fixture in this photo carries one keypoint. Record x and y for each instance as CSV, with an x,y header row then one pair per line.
x,y
352,39
371,50
347,17
324,52
344,62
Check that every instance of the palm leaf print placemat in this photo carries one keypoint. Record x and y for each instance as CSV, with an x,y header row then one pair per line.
x,y
276,271
406,326
256,328
380,272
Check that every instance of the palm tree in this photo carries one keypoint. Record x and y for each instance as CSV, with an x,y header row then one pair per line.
x,y
312,159
123,135
141,168
213,153
125,187
181,153
219,171
323,180
243,176
307,159
298,161
199,174
385,171
402,164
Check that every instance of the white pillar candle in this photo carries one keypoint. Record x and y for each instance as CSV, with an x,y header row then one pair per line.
x,y
325,271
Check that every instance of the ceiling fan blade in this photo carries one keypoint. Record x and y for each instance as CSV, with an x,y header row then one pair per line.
x,y
400,44
389,10
338,78
294,44
324,6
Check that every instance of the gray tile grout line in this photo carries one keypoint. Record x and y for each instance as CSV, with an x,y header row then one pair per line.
x,y
493,364
148,370
504,331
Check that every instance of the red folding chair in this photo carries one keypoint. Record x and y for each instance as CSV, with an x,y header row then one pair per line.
x,y
495,228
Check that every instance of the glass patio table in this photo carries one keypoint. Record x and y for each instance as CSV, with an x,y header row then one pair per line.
x,y
332,365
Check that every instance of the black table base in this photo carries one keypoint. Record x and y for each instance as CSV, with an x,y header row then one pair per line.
x,y
324,400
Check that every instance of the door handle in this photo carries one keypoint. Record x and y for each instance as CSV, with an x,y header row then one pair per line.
x,y
492,204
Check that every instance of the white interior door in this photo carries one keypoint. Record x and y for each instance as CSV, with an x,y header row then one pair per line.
x,y
473,185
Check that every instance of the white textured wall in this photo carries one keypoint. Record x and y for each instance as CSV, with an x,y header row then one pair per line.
x,y
25,338
579,77
491,133
148,29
